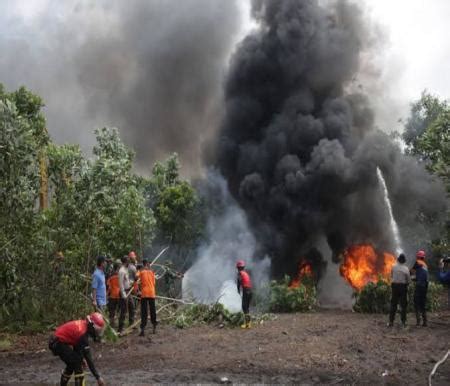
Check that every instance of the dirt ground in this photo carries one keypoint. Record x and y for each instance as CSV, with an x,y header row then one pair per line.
x,y
324,347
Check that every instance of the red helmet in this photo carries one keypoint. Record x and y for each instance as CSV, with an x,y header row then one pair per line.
x,y
97,321
420,254
240,264
132,255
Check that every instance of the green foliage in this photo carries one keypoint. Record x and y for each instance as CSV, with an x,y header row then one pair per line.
x,y
434,146
424,112
101,207
97,206
177,210
427,136
201,313
29,107
285,299
191,315
19,187
376,297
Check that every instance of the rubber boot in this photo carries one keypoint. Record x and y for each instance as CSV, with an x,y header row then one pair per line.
x,y
142,332
418,318
79,380
65,378
424,317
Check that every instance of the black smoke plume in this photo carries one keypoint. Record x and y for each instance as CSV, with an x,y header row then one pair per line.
x,y
152,68
299,149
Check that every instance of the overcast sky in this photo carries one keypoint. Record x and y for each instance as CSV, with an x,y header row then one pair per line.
x,y
418,47
415,54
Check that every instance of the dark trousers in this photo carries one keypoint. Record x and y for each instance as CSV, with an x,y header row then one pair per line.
x,y
126,305
246,299
420,301
113,305
73,359
145,304
399,295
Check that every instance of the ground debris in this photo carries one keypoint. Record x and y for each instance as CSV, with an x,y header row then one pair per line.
x,y
204,353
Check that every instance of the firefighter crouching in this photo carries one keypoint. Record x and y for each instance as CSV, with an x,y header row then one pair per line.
x,y
244,281
71,343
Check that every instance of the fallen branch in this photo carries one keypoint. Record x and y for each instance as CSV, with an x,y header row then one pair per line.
x,y
436,366
165,306
130,328
397,337
176,300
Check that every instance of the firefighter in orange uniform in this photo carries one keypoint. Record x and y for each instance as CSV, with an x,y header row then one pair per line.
x,y
244,281
113,293
146,279
71,343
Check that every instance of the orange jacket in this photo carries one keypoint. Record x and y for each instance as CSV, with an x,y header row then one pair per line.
x,y
113,286
71,332
147,277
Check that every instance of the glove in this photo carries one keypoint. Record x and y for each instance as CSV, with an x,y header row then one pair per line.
x,y
100,382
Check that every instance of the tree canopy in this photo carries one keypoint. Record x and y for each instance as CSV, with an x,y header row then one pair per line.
x,y
97,205
427,136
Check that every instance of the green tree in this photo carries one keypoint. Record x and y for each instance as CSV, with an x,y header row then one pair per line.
x,y
423,113
19,188
427,136
96,205
177,208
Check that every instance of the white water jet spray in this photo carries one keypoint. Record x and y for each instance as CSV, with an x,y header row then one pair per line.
x,y
393,223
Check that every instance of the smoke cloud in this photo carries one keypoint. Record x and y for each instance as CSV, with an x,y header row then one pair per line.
x,y
212,277
298,146
153,68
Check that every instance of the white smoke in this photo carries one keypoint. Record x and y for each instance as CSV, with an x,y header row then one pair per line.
x,y
212,278
333,291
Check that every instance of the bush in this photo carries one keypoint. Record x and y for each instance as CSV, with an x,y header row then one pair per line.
x,y
376,297
285,299
202,313
196,314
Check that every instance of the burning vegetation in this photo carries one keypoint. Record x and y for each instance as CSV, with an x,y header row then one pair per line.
x,y
304,271
362,265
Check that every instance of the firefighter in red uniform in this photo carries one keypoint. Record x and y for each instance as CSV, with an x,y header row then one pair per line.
x,y
71,343
244,281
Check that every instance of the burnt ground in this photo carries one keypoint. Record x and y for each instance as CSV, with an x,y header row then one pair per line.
x,y
324,347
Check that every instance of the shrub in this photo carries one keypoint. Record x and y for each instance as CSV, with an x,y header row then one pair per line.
x,y
285,299
195,314
202,313
376,297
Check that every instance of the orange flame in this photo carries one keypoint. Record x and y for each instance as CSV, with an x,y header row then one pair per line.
x,y
304,269
362,265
